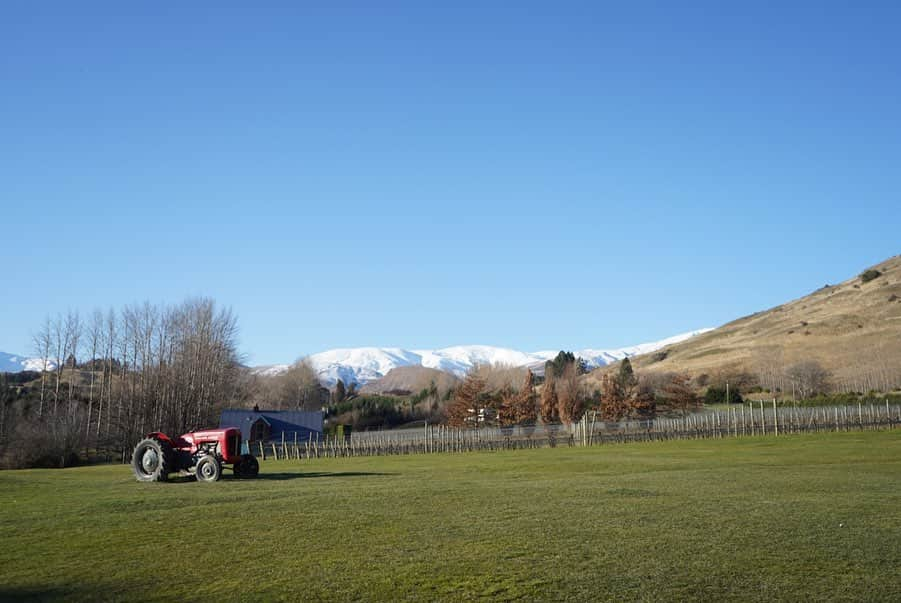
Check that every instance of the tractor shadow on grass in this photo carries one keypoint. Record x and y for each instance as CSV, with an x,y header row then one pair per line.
x,y
287,476
39,594
228,476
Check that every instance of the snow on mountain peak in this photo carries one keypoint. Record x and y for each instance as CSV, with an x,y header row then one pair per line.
x,y
16,363
361,365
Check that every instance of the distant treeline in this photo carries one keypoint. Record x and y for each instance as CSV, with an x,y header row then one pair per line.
x,y
368,411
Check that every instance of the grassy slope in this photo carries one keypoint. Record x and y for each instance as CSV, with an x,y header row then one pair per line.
x,y
849,329
744,519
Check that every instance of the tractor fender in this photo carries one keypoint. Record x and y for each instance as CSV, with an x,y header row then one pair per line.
x,y
160,436
185,441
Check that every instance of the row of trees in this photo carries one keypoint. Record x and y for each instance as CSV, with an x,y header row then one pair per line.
x,y
108,379
563,396
875,370
801,379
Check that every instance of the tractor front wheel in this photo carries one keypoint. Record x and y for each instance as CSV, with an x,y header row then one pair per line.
x,y
208,469
152,460
248,467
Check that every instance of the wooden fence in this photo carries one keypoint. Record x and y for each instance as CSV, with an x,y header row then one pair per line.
x,y
752,419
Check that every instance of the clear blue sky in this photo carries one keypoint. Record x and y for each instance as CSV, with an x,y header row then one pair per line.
x,y
533,175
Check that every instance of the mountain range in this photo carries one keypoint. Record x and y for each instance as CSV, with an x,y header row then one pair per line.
x,y
367,364
853,329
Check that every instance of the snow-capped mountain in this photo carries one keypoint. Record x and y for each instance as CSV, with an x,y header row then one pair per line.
x,y
16,363
361,365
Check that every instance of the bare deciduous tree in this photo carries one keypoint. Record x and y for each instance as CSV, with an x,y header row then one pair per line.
x,y
808,378
570,396
297,388
499,376
679,394
43,342
159,368
94,334
73,330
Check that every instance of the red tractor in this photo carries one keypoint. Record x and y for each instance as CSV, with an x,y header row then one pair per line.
x,y
201,453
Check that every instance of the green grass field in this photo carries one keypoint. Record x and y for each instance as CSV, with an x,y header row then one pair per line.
x,y
814,517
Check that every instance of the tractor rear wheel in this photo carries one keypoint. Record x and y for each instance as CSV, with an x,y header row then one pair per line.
x,y
208,469
248,467
152,460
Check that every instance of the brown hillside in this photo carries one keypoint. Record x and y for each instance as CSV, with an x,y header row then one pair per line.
x,y
410,379
853,329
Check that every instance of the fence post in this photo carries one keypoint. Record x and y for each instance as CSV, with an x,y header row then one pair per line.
x,y
775,417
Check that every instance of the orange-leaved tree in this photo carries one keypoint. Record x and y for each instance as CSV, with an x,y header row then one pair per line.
x,y
470,400
614,406
518,407
679,394
570,400
549,409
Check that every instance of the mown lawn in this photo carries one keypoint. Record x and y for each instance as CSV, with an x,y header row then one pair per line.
x,y
815,517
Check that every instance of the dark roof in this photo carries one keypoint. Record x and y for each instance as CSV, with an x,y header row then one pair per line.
x,y
280,421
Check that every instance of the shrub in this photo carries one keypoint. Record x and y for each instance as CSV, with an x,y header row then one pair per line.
x,y
370,410
869,275
717,395
53,441
844,399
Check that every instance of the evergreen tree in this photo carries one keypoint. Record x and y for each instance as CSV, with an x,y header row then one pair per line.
x,y
626,375
555,367
582,366
340,393
717,395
